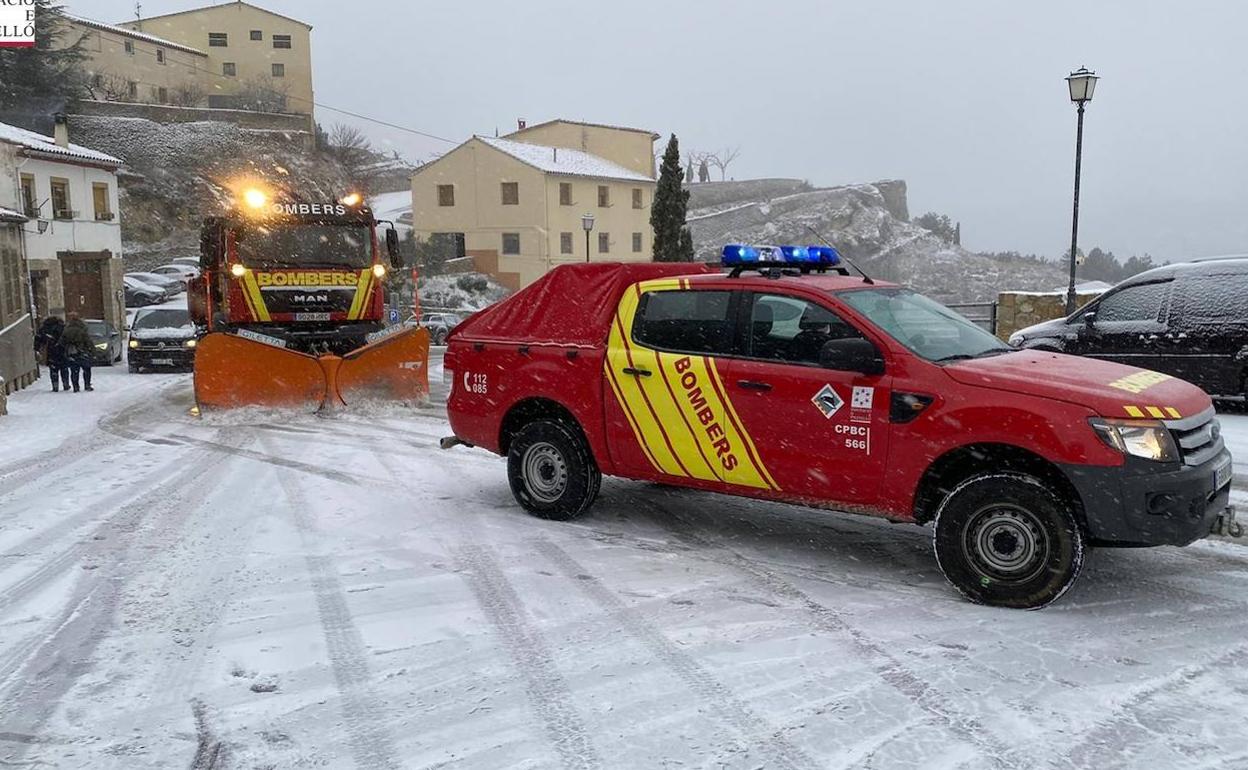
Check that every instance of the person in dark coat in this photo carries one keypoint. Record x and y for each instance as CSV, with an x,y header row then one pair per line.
x,y
52,352
78,350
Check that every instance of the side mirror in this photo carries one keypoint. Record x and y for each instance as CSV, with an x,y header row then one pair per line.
x,y
851,355
392,248
1089,319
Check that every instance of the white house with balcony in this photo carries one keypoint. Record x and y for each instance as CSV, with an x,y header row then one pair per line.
x,y
73,236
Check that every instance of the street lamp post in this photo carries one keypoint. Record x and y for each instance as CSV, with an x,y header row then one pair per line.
x,y
1082,83
587,222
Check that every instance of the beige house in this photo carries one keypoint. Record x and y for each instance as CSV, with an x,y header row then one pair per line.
x,y
248,49
128,66
516,204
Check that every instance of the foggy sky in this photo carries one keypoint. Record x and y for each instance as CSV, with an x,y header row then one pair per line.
x,y
964,99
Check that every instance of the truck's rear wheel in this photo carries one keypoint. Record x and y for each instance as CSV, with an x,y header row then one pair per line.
x,y
1006,540
552,472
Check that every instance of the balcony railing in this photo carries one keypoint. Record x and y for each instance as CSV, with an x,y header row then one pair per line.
x,y
105,216
66,214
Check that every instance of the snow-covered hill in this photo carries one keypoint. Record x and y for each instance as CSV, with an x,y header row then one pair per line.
x,y
867,223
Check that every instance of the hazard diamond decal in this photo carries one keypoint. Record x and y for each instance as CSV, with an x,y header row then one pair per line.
x,y
828,401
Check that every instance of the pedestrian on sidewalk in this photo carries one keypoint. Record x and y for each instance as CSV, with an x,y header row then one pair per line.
x,y
78,350
52,352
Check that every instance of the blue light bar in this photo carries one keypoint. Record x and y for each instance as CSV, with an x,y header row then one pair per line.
x,y
741,255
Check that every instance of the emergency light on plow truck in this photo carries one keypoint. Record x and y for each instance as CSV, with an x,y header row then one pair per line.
x,y
291,298
788,378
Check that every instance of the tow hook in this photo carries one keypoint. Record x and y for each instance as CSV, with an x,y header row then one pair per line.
x,y
1225,524
450,442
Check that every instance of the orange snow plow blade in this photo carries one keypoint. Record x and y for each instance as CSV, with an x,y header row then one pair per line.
x,y
232,371
394,368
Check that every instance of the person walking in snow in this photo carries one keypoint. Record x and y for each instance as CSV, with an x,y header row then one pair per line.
x,y
78,350
52,352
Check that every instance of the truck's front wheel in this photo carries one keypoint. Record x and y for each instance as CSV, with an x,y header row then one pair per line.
x,y
551,470
1006,540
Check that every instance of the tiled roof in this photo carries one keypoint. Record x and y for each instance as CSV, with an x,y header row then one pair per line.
x,y
562,161
133,34
47,146
583,123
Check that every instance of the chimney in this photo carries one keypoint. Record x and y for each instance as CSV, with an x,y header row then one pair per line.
x,y
521,123
555,150
60,134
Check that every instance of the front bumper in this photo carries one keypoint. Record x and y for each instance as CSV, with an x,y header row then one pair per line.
x,y
1138,504
169,356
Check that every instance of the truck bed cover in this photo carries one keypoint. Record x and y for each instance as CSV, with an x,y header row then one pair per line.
x,y
571,305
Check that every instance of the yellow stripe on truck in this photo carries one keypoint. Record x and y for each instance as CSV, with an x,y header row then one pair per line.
x,y
680,414
252,289
361,292
1133,411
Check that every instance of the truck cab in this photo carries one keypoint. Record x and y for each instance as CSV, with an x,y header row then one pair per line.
x,y
825,389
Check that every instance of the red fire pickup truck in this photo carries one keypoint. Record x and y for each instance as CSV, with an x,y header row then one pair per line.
x,y
825,389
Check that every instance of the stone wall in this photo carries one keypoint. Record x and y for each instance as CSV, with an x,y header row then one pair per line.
x,y
1020,309
159,113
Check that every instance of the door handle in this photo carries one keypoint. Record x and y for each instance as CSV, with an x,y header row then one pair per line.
x,y
753,385
636,372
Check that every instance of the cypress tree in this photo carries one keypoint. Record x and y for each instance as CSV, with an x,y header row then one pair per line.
x,y
53,68
672,240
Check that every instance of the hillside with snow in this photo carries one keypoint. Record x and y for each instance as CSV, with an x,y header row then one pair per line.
x,y
868,223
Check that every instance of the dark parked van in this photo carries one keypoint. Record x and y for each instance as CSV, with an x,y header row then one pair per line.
x,y
1187,320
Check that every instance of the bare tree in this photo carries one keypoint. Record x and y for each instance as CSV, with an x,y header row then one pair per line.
x,y
107,87
263,94
188,94
354,152
722,159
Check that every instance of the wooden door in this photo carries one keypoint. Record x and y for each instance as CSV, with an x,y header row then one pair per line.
x,y
83,286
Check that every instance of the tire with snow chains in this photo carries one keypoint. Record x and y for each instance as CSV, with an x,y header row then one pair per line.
x,y
552,471
1006,540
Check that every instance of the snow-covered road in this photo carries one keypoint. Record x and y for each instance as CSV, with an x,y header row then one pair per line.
x,y
276,591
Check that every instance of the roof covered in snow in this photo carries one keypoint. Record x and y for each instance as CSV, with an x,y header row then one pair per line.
x,y
46,146
562,161
160,41
232,4
647,131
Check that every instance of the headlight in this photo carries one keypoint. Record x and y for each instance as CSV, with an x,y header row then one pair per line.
x,y
1149,439
237,270
1016,339
379,270
190,343
101,346
134,343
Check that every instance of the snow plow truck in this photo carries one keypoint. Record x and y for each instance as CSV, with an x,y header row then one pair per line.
x,y
290,306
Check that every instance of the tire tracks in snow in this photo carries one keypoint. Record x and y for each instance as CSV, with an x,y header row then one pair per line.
x,y
727,707
827,620
38,672
368,734
547,690
1083,753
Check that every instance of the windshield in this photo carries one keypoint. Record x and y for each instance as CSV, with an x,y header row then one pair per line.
x,y
163,319
97,328
925,326
310,245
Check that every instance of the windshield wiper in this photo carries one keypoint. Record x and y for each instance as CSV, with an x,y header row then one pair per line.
x,y
996,352
954,357
968,356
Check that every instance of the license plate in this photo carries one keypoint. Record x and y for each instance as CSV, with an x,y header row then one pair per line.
x,y
311,316
162,361
1222,475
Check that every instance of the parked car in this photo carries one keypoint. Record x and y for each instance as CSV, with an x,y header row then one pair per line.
x,y
107,341
1188,320
174,270
162,337
188,261
140,294
439,326
172,285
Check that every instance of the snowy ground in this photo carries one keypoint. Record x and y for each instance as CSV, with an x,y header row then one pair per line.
x,y
277,591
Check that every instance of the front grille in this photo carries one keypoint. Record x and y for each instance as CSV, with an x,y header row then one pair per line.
x,y
1199,438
